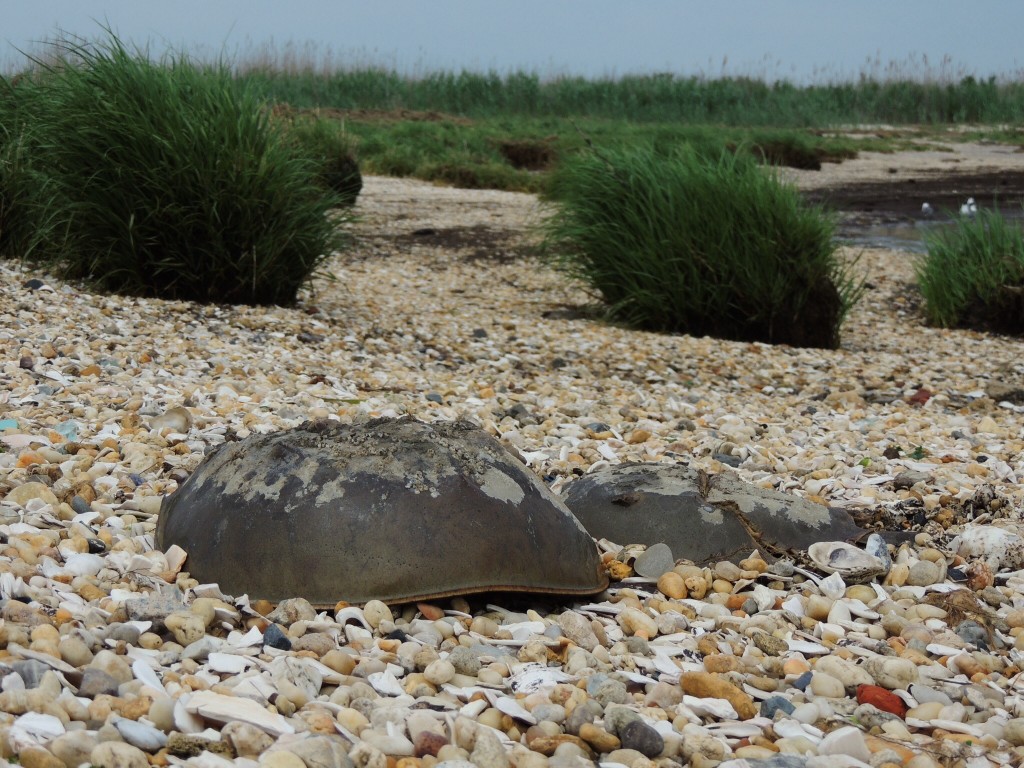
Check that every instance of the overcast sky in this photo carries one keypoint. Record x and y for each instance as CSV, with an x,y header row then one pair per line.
x,y
794,39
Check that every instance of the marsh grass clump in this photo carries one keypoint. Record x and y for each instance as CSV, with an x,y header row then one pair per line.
x,y
21,188
972,275
169,180
703,244
325,141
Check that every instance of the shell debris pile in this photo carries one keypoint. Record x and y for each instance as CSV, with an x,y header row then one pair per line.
x,y
113,654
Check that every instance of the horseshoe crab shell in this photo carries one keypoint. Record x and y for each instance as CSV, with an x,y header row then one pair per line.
x,y
850,562
392,509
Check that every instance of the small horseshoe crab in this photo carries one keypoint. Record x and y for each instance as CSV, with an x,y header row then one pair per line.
x,y
390,509
703,518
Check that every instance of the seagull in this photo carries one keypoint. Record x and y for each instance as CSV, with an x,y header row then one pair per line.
x,y
969,208
926,210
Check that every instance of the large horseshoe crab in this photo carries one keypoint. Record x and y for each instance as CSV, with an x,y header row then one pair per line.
x,y
391,509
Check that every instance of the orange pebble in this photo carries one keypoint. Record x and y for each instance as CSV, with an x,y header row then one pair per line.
x,y
28,458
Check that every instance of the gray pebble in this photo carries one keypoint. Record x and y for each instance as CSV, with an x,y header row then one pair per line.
x,y
140,735
972,632
643,738
96,682
638,645
465,661
587,712
31,672
609,691
292,610
554,713
654,561
616,718
869,716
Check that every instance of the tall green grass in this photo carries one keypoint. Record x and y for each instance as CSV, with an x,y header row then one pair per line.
x,y
973,274
700,244
736,101
167,179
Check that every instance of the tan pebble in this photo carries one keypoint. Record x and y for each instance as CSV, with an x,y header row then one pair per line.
x,y
491,717
795,666
375,612
1015,618
38,757
150,640
708,685
726,570
638,436
18,612
485,626
707,645
339,661
90,592
430,611
352,719
547,745
916,656
137,707
597,737
721,663
635,622
672,585
185,627
755,563
721,586
618,570
203,607
751,752
875,744
861,592
282,759
696,586
898,575
318,720
769,644
818,607
762,683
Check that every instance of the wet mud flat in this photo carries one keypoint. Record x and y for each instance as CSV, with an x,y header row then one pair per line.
x,y
900,199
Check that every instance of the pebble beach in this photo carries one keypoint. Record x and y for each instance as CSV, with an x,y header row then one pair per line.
x,y
113,655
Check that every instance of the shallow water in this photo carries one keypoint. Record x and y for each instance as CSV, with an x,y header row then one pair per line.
x,y
904,235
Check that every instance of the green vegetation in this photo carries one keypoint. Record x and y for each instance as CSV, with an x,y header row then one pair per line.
x,y
700,244
656,98
166,180
973,274
325,140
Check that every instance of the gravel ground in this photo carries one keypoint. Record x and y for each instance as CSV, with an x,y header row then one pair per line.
x,y
440,312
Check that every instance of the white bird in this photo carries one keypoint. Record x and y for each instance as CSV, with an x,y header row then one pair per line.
x,y
969,208
926,209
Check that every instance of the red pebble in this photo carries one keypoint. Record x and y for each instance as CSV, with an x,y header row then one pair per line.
x,y
887,701
920,397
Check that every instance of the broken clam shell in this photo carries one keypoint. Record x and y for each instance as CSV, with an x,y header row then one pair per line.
x,y
850,562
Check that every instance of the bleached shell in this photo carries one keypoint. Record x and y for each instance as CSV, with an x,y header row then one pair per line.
x,y
509,706
1001,549
719,708
850,562
832,587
